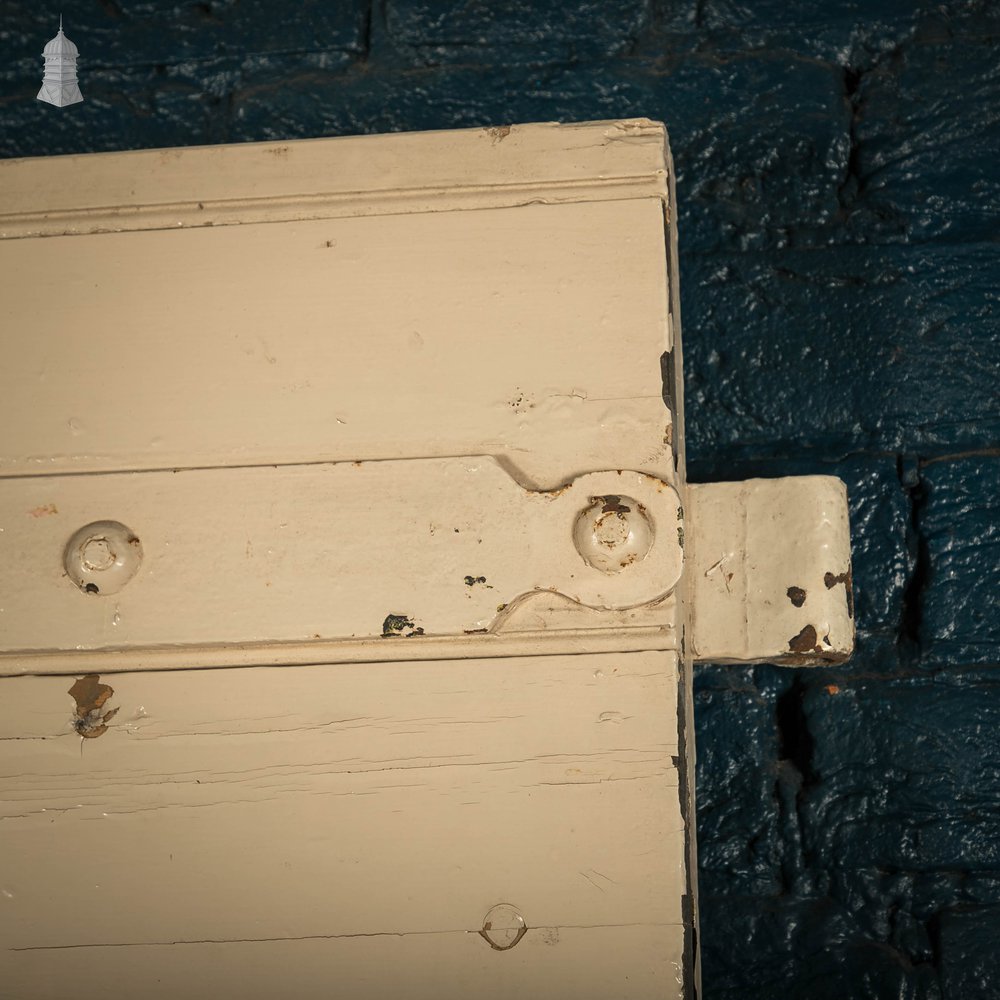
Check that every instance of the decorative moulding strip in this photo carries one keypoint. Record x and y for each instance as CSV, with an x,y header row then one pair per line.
x,y
416,649
329,178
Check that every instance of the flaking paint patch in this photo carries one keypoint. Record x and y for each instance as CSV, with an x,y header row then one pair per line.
x,y
91,696
399,625
805,641
797,596
832,579
498,133
612,505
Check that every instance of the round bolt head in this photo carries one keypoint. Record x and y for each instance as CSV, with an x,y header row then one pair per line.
x,y
613,533
503,927
102,557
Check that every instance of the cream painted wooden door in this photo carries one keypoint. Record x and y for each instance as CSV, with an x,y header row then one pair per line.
x,y
343,579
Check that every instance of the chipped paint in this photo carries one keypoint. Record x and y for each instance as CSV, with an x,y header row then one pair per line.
x,y
91,696
395,626
805,641
497,133
797,596
612,505
780,535
832,579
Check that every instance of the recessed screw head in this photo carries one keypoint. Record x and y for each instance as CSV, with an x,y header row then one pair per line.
x,y
503,927
102,557
613,533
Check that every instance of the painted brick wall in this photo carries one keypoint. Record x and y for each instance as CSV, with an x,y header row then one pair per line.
x,y
839,206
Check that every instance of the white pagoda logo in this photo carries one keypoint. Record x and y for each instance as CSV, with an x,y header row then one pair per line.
x,y
59,86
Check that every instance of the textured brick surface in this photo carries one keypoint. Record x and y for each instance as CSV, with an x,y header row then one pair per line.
x,y
431,32
898,344
839,192
960,521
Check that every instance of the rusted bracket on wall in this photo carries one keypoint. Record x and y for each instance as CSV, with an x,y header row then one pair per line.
x,y
769,570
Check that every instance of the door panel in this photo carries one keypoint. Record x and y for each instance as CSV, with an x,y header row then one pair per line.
x,y
326,384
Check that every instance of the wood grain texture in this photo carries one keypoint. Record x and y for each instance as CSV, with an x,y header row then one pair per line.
x,y
446,333
340,801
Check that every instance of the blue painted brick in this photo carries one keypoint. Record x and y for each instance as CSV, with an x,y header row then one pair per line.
x,y
121,35
970,956
738,809
960,527
925,159
932,802
130,108
429,32
892,349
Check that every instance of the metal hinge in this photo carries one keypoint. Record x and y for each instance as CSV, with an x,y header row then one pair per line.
x,y
328,561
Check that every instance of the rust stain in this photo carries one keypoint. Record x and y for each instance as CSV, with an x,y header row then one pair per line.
x,y
612,505
812,656
91,696
846,578
498,133
44,511
805,641
797,596
832,689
